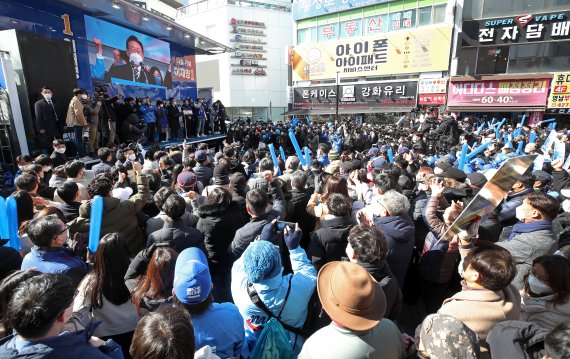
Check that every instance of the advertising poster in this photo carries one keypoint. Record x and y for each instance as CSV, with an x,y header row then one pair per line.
x,y
560,91
399,52
506,93
134,64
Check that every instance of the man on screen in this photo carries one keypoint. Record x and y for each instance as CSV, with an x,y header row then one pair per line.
x,y
135,70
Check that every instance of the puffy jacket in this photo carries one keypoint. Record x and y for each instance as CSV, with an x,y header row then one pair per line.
x,y
118,217
246,234
329,242
296,214
69,345
399,233
178,235
55,260
516,339
272,292
217,222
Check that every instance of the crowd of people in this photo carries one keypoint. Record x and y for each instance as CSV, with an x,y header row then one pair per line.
x,y
232,254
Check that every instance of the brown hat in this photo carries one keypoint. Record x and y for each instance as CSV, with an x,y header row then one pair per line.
x,y
350,296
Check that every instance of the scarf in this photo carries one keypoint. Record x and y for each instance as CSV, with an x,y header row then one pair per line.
x,y
534,226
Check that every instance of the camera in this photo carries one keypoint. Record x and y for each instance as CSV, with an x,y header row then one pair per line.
x,y
99,91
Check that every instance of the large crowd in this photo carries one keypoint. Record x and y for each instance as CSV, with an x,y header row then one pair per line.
x,y
259,251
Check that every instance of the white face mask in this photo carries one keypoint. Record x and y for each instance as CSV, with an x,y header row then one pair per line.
x,y
47,169
566,205
60,150
132,157
84,97
520,213
47,96
537,286
135,58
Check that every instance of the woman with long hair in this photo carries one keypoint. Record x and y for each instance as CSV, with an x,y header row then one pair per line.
x,y
104,293
546,294
155,286
316,206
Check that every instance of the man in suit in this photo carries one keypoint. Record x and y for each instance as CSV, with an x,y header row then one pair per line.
x,y
135,70
48,123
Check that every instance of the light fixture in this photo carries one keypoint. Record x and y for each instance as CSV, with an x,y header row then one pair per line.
x,y
116,5
145,18
168,27
187,36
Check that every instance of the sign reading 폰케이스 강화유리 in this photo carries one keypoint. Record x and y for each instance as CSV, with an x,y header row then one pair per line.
x,y
391,53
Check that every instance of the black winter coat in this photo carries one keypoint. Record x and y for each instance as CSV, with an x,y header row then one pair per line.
x,y
178,235
219,223
329,242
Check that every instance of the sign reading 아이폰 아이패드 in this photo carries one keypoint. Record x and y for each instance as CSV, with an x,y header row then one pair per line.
x,y
391,53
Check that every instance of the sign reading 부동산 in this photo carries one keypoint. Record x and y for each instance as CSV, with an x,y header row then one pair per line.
x,y
357,96
524,28
391,53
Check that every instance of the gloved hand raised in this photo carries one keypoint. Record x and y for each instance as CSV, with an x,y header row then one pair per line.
x,y
292,238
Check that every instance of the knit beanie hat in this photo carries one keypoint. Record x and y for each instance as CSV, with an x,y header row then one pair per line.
x,y
261,260
221,175
333,155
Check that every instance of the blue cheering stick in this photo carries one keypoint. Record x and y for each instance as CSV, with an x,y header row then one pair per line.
x,y
548,121
307,155
282,153
4,231
532,137
520,148
12,214
522,120
95,221
274,157
390,155
297,148
480,128
477,151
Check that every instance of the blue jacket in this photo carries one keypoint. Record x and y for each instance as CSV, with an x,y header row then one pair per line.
x,y
69,345
56,261
272,292
147,114
221,327
400,236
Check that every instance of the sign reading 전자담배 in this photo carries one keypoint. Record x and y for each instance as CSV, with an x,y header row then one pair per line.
x,y
507,93
518,29
398,52
355,96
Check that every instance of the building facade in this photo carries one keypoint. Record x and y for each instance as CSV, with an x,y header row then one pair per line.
x,y
367,58
251,81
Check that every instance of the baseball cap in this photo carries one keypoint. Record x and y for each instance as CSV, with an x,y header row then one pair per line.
x,y
201,155
192,281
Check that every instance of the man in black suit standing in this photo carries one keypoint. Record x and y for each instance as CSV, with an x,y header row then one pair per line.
x,y
135,70
48,123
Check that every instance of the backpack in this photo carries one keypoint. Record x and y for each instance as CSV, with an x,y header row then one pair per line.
x,y
273,343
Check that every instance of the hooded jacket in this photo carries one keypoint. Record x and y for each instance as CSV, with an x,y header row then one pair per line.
x,y
118,217
178,235
400,233
272,292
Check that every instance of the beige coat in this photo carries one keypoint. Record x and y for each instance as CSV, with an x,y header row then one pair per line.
x,y
75,116
481,309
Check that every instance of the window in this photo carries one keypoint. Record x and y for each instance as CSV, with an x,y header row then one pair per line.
x,y
492,60
439,14
424,17
543,57
302,36
494,8
466,61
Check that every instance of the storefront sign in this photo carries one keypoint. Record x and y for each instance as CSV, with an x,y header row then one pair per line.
x,y
431,99
376,24
432,86
519,29
392,53
370,95
506,93
303,9
560,91
248,55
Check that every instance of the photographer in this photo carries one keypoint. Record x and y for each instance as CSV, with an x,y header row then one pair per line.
x,y
109,119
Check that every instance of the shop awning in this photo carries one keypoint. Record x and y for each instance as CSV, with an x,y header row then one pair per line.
x,y
495,109
346,111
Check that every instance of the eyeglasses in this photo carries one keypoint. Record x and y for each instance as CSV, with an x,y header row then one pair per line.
x,y
66,229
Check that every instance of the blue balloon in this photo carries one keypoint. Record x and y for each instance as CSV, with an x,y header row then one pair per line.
x,y
95,223
4,231
12,214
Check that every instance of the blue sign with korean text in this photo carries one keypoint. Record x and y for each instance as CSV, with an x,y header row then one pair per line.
x,y
303,9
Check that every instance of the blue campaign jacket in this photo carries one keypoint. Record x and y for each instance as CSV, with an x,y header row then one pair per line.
x,y
55,261
68,345
220,327
272,292
147,114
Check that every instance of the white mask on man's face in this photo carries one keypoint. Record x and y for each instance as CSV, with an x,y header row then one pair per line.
x,y
132,157
47,96
84,97
135,58
60,150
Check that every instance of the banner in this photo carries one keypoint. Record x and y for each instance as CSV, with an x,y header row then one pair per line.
x,y
507,93
524,28
560,92
303,9
431,99
393,53
368,95
432,86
